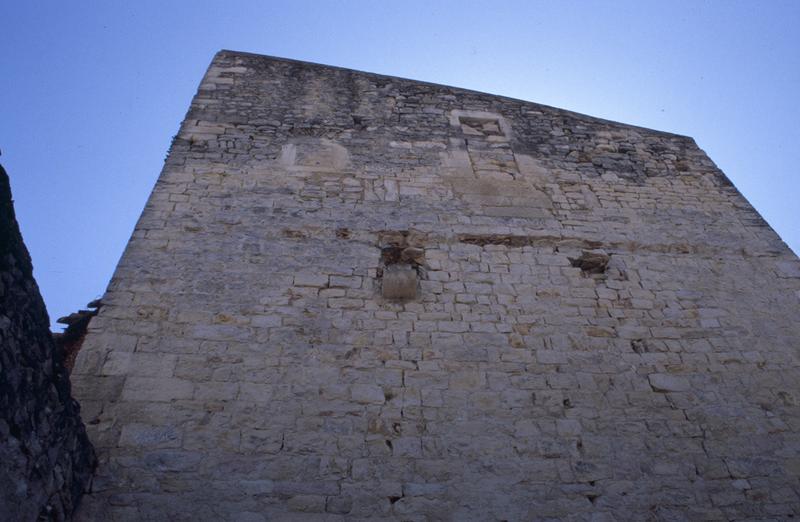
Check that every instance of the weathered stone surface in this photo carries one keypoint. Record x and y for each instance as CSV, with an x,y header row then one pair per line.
x,y
658,383
46,460
591,262
669,383
70,340
399,282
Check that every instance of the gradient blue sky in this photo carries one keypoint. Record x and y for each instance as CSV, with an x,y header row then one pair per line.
x,y
92,92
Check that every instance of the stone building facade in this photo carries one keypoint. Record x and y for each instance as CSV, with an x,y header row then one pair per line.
x,y
358,297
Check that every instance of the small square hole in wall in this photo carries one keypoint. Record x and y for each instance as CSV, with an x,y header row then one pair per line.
x,y
480,126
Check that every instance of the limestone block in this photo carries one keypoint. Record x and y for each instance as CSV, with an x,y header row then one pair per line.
x,y
265,321
367,394
316,280
399,282
788,268
156,389
144,435
340,505
307,503
314,154
668,383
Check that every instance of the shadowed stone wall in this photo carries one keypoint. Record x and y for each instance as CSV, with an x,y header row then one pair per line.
x,y
602,328
46,460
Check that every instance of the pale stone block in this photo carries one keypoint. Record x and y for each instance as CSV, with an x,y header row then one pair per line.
x,y
216,391
407,447
367,394
307,503
551,357
265,321
399,282
788,269
144,435
345,281
156,389
391,190
315,280
668,383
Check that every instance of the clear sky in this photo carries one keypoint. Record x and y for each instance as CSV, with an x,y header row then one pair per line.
x,y
92,92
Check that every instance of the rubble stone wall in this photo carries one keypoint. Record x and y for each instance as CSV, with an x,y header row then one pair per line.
x,y
602,329
46,459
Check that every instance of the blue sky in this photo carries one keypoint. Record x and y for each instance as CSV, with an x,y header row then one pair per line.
x,y
92,92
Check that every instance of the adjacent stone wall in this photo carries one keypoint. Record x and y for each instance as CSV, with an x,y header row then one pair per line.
x,y
603,328
46,460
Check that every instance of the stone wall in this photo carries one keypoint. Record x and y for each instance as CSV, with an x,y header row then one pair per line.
x,y
46,460
602,327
